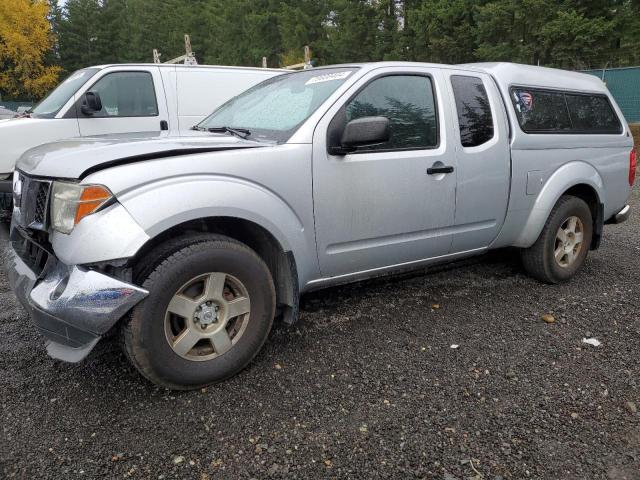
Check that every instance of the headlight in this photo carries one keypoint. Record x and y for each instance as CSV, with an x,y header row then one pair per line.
x,y
72,202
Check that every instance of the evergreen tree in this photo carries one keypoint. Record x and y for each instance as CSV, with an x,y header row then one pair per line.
x,y
79,34
351,32
441,31
565,33
301,22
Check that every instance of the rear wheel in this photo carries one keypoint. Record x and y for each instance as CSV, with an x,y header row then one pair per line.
x,y
209,310
563,244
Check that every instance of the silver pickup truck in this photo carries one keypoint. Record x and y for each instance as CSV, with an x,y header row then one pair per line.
x,y
190,246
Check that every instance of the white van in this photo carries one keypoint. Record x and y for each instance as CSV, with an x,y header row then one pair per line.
x,y
111,99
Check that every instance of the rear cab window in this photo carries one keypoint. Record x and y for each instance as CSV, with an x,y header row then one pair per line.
x,y
556,111
475,119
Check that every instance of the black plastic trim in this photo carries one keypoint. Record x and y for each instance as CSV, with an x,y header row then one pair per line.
x,y
59,331
6,186
157,155
598,227
292,312
438,170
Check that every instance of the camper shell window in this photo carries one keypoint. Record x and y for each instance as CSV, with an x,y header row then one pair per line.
x,y
556,111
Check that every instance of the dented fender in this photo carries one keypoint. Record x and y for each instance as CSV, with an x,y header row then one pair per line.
x,y
161,205
110,234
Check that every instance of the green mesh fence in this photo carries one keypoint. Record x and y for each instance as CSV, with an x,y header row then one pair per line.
x,y
624,85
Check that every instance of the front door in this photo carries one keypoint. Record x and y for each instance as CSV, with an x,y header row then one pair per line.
x,y
378,206
132,101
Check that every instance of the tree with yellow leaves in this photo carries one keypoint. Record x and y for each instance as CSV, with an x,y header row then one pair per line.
x,y
25,39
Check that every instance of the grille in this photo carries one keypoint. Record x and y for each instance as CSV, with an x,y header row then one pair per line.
x,y
40,213
33,254
33,199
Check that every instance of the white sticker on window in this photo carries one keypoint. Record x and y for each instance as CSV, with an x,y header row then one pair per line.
x,y
327,77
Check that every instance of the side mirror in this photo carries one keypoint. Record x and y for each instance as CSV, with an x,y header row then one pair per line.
x,y
362,132
91,103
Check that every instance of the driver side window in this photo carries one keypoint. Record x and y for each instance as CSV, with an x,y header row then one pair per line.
x,y
126,94
409,104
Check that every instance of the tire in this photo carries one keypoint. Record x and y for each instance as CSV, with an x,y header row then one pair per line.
x,y
151,334
540,259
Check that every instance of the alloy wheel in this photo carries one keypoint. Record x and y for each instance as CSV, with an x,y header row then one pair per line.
x,y
568,244
207,316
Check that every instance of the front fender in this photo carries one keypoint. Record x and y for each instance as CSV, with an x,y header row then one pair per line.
x,y
565,177
110,234
163,204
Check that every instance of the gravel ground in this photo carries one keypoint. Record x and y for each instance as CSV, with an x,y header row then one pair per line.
x,y
367,385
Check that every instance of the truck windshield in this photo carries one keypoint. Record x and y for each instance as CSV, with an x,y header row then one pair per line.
x,y
52,103
274,109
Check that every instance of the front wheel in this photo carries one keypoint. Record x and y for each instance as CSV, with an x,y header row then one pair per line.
x,y
563,245
209,310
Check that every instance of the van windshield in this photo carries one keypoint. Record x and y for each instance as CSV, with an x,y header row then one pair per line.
x,y
52,103
274,109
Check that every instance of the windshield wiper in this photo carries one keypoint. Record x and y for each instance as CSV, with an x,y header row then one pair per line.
x,y
238,132
198,129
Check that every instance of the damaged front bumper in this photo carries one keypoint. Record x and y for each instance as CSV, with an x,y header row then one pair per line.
x,y
71,306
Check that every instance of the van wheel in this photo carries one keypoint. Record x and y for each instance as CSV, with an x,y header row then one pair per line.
x,y
563,244
209,311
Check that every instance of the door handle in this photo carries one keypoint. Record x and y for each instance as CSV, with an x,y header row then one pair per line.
x,y
164,125
437,170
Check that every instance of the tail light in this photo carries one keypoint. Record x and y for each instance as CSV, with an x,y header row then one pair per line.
x,y
632,167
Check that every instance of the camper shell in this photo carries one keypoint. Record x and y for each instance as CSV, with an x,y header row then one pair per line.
x,y
537,155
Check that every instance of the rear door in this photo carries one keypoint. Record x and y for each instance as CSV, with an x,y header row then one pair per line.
x,y
132,99
378,207
483,159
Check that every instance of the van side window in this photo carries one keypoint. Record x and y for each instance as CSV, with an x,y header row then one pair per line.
x,y
474,110
409,104
126,94
541,111
592,114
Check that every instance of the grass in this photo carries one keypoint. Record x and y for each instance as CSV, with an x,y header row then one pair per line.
x,y
635,131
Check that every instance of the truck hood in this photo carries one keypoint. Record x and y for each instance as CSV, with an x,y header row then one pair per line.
x,y
78,157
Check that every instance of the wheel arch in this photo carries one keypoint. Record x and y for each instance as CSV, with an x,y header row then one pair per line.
x,y
279,260
590,196
579,179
